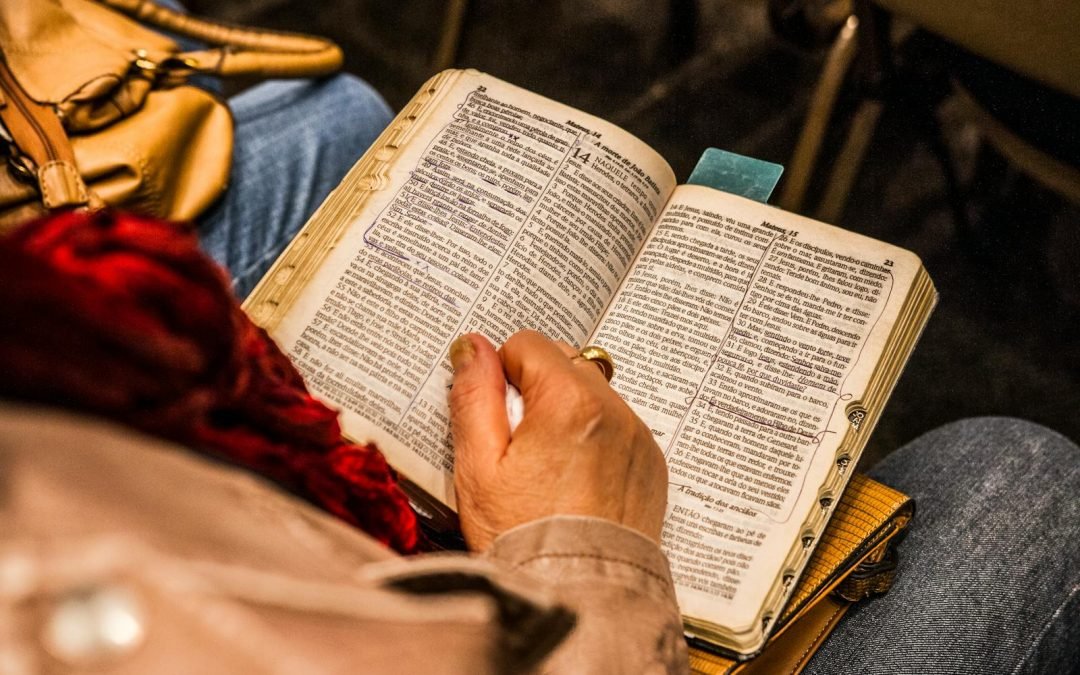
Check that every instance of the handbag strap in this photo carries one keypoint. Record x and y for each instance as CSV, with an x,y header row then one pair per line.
x,y
38,149
240,51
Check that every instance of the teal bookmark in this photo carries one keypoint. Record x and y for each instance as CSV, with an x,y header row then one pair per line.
x,y
738,175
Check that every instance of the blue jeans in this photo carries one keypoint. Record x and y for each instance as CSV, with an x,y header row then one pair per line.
x,y
989,573
294,142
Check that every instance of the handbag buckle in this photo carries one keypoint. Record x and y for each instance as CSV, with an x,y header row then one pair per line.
x,y
21,168
20,165
170,71
144,64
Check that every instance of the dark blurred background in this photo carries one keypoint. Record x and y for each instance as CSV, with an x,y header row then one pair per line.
x,y
684,75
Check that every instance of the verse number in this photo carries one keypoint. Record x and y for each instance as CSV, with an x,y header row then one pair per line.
x,y
888,263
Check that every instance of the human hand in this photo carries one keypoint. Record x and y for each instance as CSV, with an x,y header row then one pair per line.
x,y
579,449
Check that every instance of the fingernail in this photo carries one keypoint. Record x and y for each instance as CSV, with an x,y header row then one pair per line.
x,y
462,352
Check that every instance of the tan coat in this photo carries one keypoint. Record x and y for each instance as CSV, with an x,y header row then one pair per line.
x,y
123,554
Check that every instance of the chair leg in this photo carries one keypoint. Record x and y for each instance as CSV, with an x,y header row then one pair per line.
x,y
450,38
849,161
804,159
954,191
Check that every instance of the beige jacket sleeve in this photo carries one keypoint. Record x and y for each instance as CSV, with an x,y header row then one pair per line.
x,y
618,583
123,554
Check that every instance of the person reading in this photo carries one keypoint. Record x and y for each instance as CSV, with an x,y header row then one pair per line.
x,y
119,529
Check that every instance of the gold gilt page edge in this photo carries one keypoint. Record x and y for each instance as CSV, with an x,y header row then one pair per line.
x,y
279,288
909,325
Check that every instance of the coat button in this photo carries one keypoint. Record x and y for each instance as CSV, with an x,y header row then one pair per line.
x,y
94,625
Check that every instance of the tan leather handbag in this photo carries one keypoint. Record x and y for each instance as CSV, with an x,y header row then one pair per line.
x,y
96,107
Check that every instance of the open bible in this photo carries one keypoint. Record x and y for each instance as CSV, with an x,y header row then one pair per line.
x,y
759,346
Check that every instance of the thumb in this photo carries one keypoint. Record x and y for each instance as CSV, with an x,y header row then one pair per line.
x,y
478,402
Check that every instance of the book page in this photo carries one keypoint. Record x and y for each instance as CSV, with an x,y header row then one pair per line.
x,y
504,211
741,336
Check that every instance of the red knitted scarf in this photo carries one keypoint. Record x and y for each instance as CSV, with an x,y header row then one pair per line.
x,y
125,317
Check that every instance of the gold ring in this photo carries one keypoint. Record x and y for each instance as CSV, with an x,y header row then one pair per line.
x,y
601,358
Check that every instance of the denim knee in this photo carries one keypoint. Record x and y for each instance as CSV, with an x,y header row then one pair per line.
x,y
295,140
989,572
983,453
